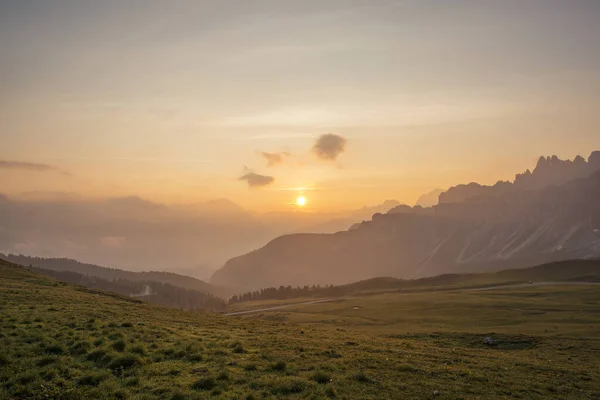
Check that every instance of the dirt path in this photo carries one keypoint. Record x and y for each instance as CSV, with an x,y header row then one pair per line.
x,y
279,307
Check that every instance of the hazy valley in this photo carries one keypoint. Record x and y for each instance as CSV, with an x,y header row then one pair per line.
x,y
554,216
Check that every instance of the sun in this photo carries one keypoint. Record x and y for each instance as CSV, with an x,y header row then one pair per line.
x,y
301,201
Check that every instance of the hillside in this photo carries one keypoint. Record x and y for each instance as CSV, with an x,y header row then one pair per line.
x,y
110,274
66,342
483,233
154,292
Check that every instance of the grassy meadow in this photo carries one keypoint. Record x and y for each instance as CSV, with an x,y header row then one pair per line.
x,y
62,341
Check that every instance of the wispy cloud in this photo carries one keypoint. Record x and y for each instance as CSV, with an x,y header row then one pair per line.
x,y
31,166
274,159
329,146
255,180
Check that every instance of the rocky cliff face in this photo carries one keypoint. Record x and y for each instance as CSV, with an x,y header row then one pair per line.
x,y
514,228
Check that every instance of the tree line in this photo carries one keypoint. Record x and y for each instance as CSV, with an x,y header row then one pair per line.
x,y
289,292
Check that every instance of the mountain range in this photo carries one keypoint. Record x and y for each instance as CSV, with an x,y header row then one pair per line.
x,y
548,214
135,234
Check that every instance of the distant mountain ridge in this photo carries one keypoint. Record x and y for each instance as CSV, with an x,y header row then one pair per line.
x,y
429,199
540,219
548,171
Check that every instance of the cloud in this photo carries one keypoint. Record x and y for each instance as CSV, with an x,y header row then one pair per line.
x,y
255,180
274,159
329,146
30,166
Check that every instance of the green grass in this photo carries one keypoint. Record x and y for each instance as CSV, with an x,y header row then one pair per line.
x,y
562,271
60,341
572,310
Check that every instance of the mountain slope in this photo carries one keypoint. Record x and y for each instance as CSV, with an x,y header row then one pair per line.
x,y
110,274
154,292
515,229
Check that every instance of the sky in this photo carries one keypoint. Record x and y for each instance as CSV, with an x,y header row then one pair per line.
x,y
347,102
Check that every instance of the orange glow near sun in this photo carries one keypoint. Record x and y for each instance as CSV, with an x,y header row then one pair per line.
x,y
301,201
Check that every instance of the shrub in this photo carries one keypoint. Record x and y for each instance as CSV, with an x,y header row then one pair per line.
x,y
195,357
120,395
207,383
126,325
124,362
100,357
279,366
81,347
321,377
138,349
223,376
330,392
4,360
115,336
49,375
119,345
26,378
46,361
132,382
288,385
91,379
238,348
96,355
55,349
362,377
250,367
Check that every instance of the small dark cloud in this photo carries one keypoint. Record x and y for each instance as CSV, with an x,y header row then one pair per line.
x,y
329,146
255,180
274,159
30,166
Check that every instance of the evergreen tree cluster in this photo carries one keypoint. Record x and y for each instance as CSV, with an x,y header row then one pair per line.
x,y
289,292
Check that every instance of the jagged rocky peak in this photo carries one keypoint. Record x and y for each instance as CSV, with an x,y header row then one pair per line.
x,y
429,199
402,208
594,160
549,170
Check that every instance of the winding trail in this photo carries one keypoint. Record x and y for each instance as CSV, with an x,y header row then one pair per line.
x,y
278,307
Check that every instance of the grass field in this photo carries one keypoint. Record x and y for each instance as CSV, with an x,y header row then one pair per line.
x,y
560,310
66,342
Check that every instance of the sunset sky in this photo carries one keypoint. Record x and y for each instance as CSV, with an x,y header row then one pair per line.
x,y
186,101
